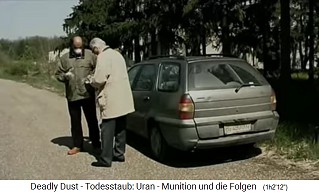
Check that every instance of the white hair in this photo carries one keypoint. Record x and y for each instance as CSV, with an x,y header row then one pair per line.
x,y
98,43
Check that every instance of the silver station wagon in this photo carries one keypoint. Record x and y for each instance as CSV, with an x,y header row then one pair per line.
x,y
203,102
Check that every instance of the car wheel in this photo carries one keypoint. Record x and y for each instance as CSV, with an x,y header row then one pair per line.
x,y
248,150
249,146
159,146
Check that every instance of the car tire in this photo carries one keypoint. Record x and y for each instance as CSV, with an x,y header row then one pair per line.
x,y
159,146
249,145
249,149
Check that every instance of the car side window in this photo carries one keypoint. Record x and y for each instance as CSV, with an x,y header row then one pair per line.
x,y
146,78
132,73
169,77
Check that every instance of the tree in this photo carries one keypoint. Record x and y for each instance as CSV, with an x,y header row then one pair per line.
x,y
32,48
285,40
311,41
260,28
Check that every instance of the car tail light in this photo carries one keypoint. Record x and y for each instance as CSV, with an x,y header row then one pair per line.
x,y
273,101
186,107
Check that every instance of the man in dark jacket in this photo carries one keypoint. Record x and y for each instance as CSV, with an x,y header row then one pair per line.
x,y
73,69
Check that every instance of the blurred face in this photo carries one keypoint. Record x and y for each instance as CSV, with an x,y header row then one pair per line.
x,y
77,45
77,42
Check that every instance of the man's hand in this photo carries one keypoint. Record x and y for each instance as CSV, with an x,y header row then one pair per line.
x,y
69,75
88,79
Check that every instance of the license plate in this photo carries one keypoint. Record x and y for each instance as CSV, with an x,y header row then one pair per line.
x,y
236,129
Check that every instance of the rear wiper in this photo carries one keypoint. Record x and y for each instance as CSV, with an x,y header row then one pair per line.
x,y
249,84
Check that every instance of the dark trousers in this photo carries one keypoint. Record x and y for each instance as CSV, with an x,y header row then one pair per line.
x,y
89,109
113,129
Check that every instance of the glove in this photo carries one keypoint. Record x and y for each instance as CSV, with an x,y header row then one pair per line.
x,y
69,75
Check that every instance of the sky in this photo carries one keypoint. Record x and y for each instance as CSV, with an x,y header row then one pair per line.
x,y
24,18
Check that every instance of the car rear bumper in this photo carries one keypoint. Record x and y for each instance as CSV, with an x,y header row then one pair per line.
x,y
235,140
184,136
186,141
210,128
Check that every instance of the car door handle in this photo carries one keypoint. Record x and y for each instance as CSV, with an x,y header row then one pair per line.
x,y
146,98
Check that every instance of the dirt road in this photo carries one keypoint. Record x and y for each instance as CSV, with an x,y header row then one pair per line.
x,y
34,139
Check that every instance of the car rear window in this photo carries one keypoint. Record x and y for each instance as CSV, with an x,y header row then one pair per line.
x,y
207,75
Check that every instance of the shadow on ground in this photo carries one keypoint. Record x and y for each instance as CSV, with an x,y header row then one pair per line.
x,y
67,142
196,159
178,159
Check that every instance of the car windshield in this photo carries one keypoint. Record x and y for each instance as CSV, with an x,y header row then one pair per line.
x,y
207,75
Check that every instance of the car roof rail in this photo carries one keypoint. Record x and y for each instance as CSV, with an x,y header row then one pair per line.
x,y
168,56
182,57
220,55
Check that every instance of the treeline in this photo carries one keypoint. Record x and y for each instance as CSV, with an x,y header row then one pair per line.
x,y
158,27
32,48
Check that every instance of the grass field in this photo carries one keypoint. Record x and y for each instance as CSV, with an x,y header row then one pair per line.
x,y
36,74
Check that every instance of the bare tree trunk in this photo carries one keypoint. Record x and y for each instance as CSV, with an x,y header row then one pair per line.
x,y
164,48
265,35
311,41
306,56
137,50
225,33
253,56
225,40
197,46
186,49
285,73
301,54
294,56
153,44
204,41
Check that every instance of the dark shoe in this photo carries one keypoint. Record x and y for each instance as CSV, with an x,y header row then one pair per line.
x,y
119,159
100,164
74,151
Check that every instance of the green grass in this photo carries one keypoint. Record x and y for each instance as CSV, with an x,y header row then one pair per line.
x,y
303,75
36,74
300,76
298,107
30,73
295,141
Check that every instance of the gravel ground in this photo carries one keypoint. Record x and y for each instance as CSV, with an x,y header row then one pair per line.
x,y
34,139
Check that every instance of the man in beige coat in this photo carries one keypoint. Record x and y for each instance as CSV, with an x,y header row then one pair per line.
x,y
115,100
